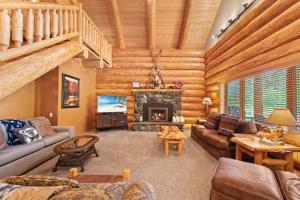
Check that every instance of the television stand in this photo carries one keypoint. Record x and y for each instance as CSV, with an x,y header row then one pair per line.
x,y
111,120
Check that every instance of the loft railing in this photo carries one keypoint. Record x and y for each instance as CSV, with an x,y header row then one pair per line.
x,y
26,27
94,39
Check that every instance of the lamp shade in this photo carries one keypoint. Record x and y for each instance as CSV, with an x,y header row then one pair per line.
x,y
281,117
206,101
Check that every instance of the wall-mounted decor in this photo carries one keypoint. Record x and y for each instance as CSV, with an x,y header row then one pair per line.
x,y
70,91
136,84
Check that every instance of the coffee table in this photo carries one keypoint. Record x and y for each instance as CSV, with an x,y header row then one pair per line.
x,y
259,150
75,151
172,137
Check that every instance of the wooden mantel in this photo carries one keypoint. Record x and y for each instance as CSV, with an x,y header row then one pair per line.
x,y
157,90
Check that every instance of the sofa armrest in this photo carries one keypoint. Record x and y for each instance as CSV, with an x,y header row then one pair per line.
x,y
69,129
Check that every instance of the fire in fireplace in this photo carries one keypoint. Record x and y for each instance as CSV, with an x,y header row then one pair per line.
x,y
157,112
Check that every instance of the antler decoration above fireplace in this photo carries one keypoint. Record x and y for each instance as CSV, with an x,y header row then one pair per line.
x,y
155,79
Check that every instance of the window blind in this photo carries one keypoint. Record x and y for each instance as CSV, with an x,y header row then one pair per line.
x,y
297,95
249,98
273,91
233,98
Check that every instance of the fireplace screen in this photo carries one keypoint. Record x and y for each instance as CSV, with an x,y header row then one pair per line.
x,y
158,114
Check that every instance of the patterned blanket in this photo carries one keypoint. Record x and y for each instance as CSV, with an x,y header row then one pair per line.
x,y
17,192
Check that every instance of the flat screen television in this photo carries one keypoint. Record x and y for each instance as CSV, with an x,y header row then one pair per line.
x,y
107,104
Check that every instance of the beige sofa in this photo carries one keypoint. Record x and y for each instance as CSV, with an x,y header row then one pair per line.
x,y
19,159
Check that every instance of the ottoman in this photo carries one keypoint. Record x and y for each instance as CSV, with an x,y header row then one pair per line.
x,y
239,180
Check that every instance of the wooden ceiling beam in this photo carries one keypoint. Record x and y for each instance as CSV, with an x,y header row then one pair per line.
x,y
151,23
185,24
118,24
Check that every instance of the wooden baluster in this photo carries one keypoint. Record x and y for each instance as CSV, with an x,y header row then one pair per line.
x,y
38,26
47,24
17,27
60,23
87,31
54,23
91,32
29,26
75,20
71,22
109,54
4,30
66,22
83,27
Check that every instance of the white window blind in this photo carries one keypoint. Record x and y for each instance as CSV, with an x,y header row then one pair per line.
x,y
273,90
297,90
233,98
249,98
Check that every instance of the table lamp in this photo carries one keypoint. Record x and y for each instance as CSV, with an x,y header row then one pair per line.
x,y
206,102
281,117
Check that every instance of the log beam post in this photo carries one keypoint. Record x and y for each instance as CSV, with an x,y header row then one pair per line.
x,y
185,24
118,24
151,23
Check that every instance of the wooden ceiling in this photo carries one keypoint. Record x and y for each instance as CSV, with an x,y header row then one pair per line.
x,y
154,23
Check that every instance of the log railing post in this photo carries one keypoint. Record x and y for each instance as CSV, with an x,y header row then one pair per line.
x,y
47,24
38,26
29,26
71,22
4,30
66,22
54,23
17,27
60,22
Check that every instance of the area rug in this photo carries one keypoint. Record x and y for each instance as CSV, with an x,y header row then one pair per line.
x,y
174,178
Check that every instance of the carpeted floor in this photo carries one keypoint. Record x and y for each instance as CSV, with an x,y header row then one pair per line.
x,y
174,178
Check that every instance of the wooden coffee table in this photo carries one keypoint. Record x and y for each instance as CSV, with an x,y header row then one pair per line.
x,y
75,151
172,137
259,150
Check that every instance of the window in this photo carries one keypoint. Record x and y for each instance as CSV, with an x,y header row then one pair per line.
x,y
233,97
297,112
273,91
249,98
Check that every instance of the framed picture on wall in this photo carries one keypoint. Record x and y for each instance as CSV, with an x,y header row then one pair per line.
x,y
70,91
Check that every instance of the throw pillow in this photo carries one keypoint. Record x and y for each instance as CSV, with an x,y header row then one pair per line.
x,y
36,180
246,127
228,125
10,125
26,134
212,121
139,190
42,125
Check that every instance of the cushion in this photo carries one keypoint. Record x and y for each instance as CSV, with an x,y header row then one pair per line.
x,y
13,153
289,184
42,125
36,180
246,127
54,138
212,121
27,134
240,180
139,190
228,125
3,137
10,125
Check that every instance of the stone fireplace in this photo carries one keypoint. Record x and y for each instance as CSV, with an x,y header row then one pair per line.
x,y
155,108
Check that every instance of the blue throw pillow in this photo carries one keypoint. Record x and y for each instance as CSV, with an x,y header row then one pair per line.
x,y
10,125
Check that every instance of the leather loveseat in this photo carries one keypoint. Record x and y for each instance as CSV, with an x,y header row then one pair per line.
x,y
21,158
219,145
237,180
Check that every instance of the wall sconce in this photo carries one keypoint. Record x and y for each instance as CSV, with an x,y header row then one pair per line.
x,y
206,102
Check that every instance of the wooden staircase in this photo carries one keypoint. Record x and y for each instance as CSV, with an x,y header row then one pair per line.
x,y
37,37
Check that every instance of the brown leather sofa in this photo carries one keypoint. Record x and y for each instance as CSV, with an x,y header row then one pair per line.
x,y
220,145
237,180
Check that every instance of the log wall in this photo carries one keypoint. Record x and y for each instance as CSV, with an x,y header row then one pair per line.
x,y
135,65
266,37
